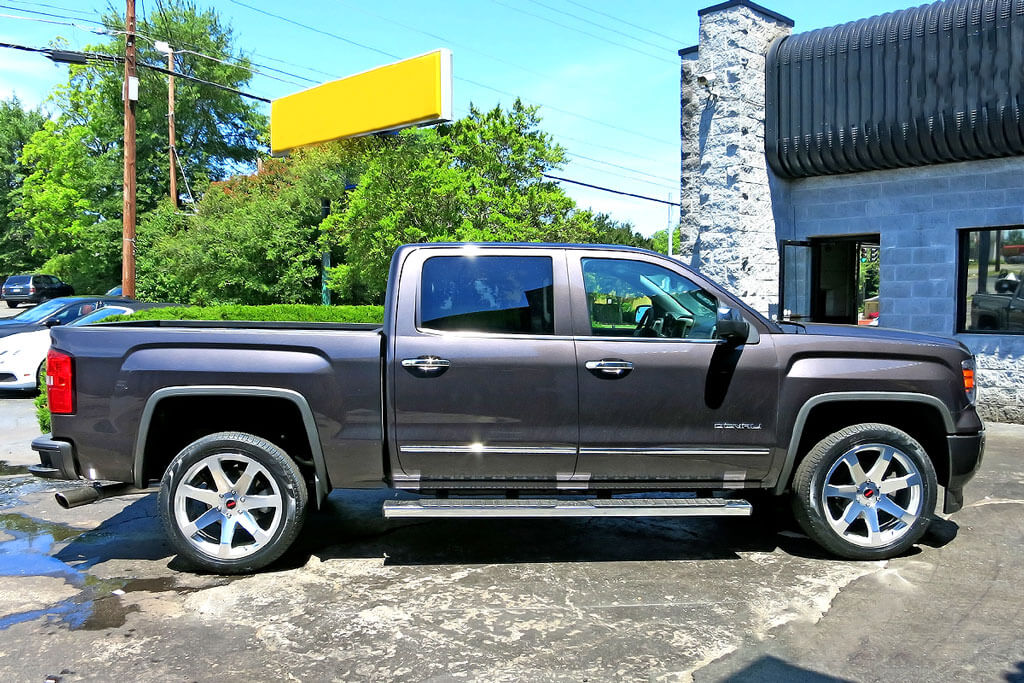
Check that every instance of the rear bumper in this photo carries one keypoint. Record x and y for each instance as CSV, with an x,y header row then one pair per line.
x,y
966,452
22,298
56,459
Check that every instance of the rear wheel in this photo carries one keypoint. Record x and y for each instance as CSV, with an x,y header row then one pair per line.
x,y
12,304
866,492
232,502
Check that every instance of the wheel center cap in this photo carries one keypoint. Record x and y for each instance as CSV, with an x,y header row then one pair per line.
x,y
868,493
230,505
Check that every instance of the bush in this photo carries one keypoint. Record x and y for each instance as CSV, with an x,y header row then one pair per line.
x,y
275,313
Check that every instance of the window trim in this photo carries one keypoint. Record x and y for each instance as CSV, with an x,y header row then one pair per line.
x,y
962,254
422,329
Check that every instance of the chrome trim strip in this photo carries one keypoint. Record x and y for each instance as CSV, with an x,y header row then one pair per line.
x,y
488,450
675,451
636,507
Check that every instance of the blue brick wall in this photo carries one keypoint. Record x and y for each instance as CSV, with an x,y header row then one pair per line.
x,y
917,212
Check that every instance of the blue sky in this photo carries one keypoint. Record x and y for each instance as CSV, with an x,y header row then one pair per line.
x,y
605,73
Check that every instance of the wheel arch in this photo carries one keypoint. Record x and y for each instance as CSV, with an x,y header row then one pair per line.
x,y
294,398
861,405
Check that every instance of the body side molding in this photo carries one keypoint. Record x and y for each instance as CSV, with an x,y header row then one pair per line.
x,y
233,390
805,410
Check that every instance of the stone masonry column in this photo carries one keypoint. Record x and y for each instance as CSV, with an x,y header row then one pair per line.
x,y
727,227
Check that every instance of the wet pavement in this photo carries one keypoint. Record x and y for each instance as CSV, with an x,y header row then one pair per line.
x,y
94,593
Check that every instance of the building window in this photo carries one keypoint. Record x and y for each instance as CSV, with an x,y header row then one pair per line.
x,y
500,294
991,272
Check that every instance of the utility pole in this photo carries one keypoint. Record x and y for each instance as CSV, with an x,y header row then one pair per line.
x,y
161,46
131,95
325,256
668,221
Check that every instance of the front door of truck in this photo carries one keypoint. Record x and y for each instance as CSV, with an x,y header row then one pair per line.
x,y
661,398
483,368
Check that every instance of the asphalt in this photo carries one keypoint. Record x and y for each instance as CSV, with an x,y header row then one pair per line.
x,y
95,593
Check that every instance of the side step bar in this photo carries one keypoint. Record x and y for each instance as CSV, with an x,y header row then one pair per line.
x,y
549,507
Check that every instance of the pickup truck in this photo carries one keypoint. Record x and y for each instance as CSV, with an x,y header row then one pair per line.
x,y
517,381
1003,310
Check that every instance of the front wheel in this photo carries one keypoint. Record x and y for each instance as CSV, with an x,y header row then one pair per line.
x,y
866,492
232,502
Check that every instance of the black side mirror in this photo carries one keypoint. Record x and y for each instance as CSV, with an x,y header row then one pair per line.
x,y
52,322
731,327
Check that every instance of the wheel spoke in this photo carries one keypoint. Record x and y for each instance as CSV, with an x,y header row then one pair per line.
x,y
848,491
245,481
220,479
894,484
887,505
207,496
246,521
853,511
204,520
227,535
257,502
856,471
881,466
871,518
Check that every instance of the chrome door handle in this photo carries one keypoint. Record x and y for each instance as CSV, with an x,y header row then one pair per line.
x,y
611,367
426,363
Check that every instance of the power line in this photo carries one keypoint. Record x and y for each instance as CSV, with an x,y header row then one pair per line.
x,y
579,30
49,6
675,41
625,168
608,189
598,25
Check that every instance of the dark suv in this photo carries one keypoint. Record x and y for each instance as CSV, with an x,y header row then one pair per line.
x,y
33,289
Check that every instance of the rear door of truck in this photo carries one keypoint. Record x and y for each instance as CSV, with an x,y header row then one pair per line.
x,y
483,366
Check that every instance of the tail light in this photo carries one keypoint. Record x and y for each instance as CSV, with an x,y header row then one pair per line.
x,y
59,383
970,385
31,289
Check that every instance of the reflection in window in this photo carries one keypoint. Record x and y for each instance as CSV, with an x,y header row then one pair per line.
x,y
637,299
509,294
991,272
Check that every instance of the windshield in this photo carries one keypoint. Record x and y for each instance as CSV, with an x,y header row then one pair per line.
x,y
41,312
99,314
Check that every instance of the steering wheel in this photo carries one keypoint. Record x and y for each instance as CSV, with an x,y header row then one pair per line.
x,y
643,328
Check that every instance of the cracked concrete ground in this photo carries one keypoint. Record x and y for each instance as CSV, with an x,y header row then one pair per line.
x,y
94,593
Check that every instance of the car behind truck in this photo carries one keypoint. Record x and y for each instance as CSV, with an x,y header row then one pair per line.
x,y
517,381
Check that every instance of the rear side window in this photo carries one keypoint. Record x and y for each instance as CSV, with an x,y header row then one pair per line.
x,y
504,294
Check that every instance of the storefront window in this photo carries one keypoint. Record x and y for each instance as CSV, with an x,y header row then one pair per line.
x,y
991,272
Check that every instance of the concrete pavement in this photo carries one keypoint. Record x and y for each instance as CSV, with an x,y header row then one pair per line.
x,y
94,593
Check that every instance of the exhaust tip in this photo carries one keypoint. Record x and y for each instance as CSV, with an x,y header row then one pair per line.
x,y
76,497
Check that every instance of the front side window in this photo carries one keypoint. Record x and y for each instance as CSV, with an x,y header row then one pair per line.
x,y
991,272
637,299
498,294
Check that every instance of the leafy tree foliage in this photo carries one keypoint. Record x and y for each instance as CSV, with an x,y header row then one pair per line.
x,y
17,125
75,163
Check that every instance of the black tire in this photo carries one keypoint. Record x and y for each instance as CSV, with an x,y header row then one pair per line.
x,y
12,304
858,517
190,489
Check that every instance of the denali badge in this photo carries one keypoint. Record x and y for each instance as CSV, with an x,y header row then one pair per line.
x,y
737,425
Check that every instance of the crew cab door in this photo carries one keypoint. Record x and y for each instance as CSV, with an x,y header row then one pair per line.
x,y
661,398
483,369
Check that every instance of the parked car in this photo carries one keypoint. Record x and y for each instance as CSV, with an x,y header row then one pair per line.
x,y
33,289
493,389
55,312
1003,310
23,355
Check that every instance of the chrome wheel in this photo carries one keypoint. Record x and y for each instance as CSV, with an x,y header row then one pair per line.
x,y
872,495
228,506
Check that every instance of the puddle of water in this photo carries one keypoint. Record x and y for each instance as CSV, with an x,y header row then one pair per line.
x,y
7,469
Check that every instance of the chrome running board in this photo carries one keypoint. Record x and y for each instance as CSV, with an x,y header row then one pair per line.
x,y
551,507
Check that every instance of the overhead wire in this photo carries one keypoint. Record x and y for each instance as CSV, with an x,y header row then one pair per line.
x,y
598,25
609,189
627,23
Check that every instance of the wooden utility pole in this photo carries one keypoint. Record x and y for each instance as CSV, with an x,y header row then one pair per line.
x,y
131,95
170,126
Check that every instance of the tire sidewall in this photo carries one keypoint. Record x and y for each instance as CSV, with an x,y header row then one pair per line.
x,y
280,466
810,480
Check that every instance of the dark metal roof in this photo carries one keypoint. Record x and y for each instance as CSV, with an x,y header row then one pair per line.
x,y
932,84
746,3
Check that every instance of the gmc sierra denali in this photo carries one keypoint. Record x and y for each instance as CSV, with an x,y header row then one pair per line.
x,y
517,381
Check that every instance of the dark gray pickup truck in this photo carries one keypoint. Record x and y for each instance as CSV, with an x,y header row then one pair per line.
x,y
517,381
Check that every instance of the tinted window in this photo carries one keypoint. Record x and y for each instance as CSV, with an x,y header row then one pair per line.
x,y
991,277
637,299
511,294
18,280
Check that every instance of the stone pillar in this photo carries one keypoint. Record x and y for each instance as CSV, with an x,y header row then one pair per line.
x,y
728,230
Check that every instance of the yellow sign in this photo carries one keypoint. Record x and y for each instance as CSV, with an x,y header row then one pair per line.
x,y
412,92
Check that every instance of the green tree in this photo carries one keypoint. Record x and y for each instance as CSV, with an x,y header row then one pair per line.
x,y
611,231
17,125
659,241
75,162
478,179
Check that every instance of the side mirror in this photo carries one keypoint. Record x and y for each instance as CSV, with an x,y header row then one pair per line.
x,y
731,327
52,322
641,311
